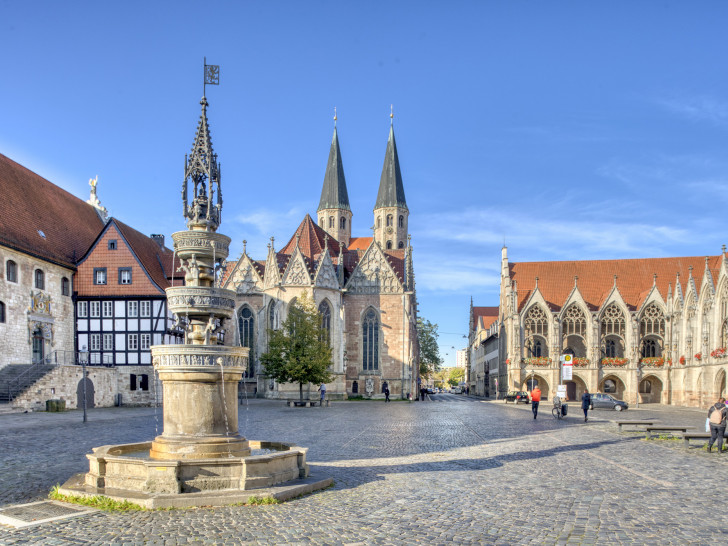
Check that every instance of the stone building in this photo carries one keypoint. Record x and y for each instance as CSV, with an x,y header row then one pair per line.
x,y
646,330
482,351
64,291
363,287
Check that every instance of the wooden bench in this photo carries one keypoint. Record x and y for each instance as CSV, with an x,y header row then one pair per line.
x,y
636,423
664,428
695,436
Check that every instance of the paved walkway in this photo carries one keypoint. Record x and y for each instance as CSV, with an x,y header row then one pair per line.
x,y
454,469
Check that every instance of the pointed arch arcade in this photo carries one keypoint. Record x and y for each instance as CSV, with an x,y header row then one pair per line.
x,y
536,331
573,335
613,329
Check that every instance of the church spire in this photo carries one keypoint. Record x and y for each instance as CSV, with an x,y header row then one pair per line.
x,y
390,210
202,170
334,212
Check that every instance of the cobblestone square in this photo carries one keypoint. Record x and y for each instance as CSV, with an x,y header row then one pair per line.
x,y
455,469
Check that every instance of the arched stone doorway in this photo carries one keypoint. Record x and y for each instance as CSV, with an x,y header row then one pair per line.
x,y
650,390
574,388
613,385
533,380
89,394
720,385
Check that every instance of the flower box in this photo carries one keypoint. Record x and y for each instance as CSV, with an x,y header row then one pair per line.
x,y
537,361
653,361
698,356
718,353
580,362
614,361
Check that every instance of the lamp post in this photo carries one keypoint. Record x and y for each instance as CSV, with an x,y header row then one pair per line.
x,y
530,384
84,356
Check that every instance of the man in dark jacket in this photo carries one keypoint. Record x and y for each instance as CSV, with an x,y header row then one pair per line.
x,y
717,423
585,403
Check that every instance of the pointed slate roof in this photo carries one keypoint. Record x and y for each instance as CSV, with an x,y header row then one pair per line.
x,y
391,189
334,194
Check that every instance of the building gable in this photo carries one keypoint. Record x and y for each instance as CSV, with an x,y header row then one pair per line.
x,y
244,278
373,274
296,273
326,274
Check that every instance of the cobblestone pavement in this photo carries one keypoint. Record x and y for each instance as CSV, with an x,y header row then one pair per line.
x,y
453,469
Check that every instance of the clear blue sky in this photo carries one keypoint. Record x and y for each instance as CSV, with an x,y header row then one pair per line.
x,y
568,129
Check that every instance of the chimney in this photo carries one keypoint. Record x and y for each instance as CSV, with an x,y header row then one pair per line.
x,y
158,238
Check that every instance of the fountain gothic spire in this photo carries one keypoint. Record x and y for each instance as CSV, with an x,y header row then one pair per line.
x,y
202,172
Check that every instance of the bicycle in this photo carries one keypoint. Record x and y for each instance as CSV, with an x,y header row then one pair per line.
x,y
559,410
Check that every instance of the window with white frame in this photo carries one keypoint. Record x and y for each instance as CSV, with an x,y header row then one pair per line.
x,y
99,275
146,308
82,309
125,275
95,342
108,309
108,342
146,341
95,308
132,342
132,308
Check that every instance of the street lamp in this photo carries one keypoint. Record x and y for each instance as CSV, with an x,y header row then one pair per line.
x,y
84,357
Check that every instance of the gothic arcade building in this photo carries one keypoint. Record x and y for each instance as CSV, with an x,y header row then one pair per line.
x,y
363,287
647,330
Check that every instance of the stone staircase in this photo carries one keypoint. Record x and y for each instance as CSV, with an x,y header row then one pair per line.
x,y
15,378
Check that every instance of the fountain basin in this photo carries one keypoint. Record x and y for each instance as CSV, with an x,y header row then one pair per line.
x,y
193,300
127,472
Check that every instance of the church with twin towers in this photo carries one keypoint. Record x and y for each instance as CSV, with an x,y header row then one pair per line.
x,y
363,287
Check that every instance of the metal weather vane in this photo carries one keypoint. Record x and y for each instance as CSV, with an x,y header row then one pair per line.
x,y
211,75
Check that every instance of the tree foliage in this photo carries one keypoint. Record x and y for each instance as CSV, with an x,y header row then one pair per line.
x,y
299,352
457,376
430,360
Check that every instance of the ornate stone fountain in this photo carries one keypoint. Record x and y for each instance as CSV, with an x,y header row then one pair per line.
x,y
200,458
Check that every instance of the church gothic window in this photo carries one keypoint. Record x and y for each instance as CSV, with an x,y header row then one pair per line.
x,y
574,331
11,271
536,331
325,312
390,220
401,244
389,245
272,316
39,279
401,221
246,329
370,340
652,331
331,221
343,223
613,330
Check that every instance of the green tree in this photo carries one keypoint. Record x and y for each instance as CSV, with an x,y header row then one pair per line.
x,y
430,360
456,376
299,351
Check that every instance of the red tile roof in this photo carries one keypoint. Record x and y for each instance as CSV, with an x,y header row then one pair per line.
x,y
156,259
31,204
596,278
360,243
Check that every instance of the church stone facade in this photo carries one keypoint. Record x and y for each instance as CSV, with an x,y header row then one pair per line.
x,y
363,288
646,330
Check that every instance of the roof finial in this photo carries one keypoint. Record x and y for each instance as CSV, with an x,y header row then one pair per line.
x,y
272,245
245,246
326,241
576,280
723,249
691,270
335,116
536,283
615,280
391,114
706,262
654,279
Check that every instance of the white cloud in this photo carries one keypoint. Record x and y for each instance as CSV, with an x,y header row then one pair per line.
x,y
698,108
269,221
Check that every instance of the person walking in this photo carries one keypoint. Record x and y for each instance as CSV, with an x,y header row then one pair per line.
x,y
385,389
717,417
322,390
535,399
585,403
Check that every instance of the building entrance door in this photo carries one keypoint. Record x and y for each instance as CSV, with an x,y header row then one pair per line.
x,y
38,345
570,390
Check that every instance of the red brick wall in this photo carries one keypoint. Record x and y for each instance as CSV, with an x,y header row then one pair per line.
x,y
112,260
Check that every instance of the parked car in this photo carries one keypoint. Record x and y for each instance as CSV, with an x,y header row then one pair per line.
x,y
517,396
602,400
456,390
430,390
